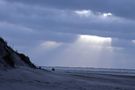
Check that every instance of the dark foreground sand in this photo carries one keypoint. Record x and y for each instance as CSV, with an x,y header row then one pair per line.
x,y
66,79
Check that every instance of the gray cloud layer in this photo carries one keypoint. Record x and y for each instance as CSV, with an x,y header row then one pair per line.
x,y
122,8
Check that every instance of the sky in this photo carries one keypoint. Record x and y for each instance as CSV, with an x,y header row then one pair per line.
x,y
73,33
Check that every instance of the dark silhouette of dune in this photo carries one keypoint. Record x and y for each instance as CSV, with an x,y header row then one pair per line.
x,y
11,58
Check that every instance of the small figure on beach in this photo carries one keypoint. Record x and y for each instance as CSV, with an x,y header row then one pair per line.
x,y
53,69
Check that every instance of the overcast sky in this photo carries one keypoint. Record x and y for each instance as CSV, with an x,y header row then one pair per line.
x,y
86,33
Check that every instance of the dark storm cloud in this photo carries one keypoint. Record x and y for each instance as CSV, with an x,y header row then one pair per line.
x,y
44,19
19,21
122,8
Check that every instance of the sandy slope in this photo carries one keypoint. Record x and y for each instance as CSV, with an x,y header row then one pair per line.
x,y
31,79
